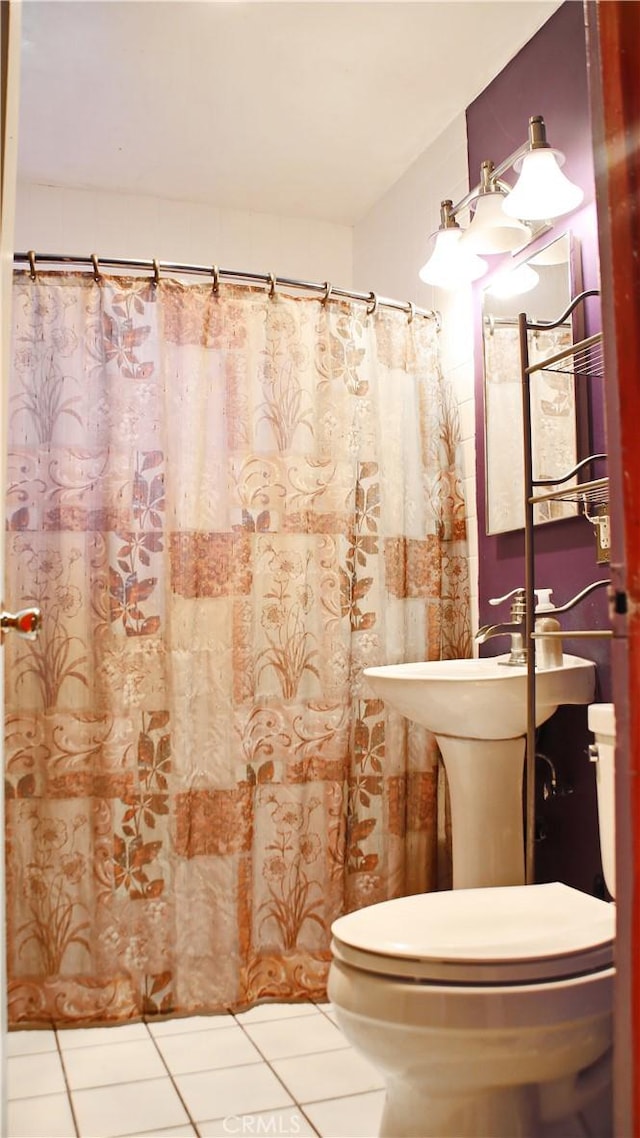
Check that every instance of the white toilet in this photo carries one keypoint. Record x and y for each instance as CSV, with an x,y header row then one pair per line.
x,y
488,1011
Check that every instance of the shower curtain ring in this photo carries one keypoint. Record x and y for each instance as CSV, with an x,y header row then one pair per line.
x,y
328,289
273,280
374,304
156,273
97,276
215,271
412,312
32,264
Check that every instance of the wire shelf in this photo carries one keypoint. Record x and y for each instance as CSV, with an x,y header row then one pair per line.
x,y
586,358
587,362
594,493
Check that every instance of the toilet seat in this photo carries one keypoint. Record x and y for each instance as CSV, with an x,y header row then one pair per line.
x,y
507,935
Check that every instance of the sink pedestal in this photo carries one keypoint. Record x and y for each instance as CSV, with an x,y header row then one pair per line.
x,y
485,788
477,710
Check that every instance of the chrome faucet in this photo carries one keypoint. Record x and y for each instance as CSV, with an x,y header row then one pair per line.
x,y
513,628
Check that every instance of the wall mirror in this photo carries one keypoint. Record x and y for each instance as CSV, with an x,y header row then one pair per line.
x,y
542,286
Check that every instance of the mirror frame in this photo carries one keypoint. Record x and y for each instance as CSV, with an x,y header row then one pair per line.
x,y
495,476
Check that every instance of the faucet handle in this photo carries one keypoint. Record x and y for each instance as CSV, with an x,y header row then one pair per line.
x,y
518,604
519,593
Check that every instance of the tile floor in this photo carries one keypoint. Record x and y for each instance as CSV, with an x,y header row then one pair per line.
x,y
279,1070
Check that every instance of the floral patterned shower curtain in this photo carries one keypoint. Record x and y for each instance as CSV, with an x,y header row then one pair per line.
x,y
227,505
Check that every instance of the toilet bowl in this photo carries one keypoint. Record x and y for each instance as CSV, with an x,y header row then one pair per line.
x,y
488,1011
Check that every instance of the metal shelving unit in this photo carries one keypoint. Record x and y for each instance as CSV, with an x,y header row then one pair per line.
x,y
582,359
594,493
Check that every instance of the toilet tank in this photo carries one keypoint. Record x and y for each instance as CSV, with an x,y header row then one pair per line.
x,y
602,721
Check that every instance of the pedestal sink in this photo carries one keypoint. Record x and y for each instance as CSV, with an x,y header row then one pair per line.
x,y
477,709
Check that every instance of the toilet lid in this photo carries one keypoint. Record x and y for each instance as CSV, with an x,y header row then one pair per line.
x,y
512,934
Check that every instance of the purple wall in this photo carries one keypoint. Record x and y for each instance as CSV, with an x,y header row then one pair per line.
x,y
549,77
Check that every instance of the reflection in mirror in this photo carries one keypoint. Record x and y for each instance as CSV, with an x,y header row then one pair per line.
x,y
542,287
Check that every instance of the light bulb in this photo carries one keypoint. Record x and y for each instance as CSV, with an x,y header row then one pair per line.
x,y
542,190
491,231
450,265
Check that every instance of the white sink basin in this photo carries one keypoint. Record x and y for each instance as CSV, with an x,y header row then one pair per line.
x,y
479,699
477,710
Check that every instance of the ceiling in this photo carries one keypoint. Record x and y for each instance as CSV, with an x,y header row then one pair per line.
x,y
300,109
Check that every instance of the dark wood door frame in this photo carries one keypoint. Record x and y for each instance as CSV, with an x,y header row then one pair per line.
x,y
613,34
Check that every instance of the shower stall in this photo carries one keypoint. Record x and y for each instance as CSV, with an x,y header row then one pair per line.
x,y
227,498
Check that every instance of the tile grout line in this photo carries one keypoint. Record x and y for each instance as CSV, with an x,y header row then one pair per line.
x,y
307,1119
263,1059
192,1121
275,1073
327,1015
311,1102
132,1082
66,1083
235,1066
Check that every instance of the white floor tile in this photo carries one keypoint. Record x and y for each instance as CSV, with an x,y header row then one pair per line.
x,y
301,1036
97,1036
263,1012
131,1108
190,1023
329,1011
207,1050
172,1132
113,1063
357,1116
32,1075
34,1117
327,1075
220,1094
30,1042
279,1123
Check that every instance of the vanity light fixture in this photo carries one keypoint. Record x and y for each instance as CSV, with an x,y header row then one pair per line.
x,y
491,231
450,265
541,193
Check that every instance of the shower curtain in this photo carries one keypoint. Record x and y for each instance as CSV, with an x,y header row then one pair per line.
x,y
227,504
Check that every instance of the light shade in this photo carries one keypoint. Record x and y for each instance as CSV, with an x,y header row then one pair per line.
x,y
450,265
491,231
514,283
542,190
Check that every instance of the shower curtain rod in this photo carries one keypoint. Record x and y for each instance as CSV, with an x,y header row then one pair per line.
x,y
328,291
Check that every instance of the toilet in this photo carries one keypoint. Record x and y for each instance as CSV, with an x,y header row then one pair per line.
x,y
601,719
488,1011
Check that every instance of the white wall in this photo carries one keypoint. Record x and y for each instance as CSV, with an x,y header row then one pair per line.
x,y
390,246
54,219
